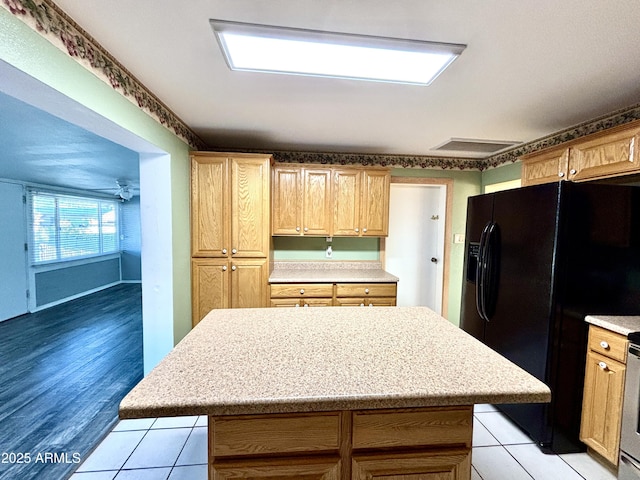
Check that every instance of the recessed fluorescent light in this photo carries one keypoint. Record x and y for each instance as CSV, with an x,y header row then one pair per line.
x,y
261,48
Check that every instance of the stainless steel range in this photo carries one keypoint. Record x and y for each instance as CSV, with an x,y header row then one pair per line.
x,y
629,468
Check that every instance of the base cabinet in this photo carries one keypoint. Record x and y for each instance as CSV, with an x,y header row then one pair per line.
x,y
432,443
221,283
333,294
603,393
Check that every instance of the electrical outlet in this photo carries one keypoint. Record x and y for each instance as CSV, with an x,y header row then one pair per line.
x,y
329,252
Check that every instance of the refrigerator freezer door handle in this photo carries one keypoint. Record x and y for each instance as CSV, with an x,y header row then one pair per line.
x,y
480,272
490,271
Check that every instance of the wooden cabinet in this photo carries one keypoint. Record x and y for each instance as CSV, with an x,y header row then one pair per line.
x,y
366,295
329,294
327,201
302,295
361,202
603,393
413,444
606,154
301,201
230,207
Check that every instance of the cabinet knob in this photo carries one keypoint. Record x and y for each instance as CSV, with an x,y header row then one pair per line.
x,y
366,290
561,174
234,251
357,230
371,304
573,171
364,230
224,268
233,267
362,304
603,365
297,305
302,291
604,345
306,229
224,251
306,305
297,229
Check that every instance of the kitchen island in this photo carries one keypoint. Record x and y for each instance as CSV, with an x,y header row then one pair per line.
x,y
344,393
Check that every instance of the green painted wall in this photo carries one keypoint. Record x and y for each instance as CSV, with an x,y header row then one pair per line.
x,y
314,248
503,173
27,51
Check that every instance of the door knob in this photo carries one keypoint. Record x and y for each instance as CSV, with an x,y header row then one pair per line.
x,y
434,259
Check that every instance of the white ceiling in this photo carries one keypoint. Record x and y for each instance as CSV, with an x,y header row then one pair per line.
x,y
531,68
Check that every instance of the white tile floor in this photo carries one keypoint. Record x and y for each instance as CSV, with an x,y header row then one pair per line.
x,y
176,449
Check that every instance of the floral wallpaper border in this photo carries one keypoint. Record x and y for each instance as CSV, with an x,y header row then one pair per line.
x,y
52,23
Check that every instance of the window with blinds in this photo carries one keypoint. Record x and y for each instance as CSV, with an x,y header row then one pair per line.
x,y
65,227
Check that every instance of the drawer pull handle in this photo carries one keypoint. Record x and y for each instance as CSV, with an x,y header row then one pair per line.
x,y
366,290
603,365
302,291
604,345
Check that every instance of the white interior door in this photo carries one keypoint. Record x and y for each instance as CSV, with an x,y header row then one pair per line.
x,y
415,245
13,285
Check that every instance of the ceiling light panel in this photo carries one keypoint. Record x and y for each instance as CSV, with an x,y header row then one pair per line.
x,y
259,48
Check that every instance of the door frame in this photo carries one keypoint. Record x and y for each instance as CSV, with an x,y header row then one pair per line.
x,y
448,184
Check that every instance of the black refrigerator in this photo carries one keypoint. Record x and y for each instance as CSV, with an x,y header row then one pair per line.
x,y
539,259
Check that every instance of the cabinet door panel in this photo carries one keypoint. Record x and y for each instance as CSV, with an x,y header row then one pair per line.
x,y
209,207
602,157
250,207
602,405
317,218
346,202
546,167
375,203
209,286
287,201
451,465
249,284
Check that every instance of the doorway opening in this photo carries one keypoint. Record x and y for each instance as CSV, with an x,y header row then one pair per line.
x,y
416,250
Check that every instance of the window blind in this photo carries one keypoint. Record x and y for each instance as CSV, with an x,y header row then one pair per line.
x,y
67,227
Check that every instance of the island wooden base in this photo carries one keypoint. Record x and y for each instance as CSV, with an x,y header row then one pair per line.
x,y
406,444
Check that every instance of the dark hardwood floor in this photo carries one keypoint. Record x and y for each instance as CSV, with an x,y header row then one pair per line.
x,y
63,372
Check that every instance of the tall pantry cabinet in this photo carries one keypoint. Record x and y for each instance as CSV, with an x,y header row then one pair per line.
x,y
230,235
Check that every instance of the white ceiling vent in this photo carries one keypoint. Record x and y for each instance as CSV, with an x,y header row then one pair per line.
x,y
475,147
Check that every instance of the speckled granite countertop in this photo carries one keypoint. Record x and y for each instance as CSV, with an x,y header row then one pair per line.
x,y
623,325
253,361
329,272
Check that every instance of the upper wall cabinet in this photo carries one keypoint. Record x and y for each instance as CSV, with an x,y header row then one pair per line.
x,y
611,153
229,205
325,201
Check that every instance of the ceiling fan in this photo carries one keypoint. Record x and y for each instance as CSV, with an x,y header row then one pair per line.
x,y
123,190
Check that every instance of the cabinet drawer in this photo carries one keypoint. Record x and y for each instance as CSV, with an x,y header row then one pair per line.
x,y
274,435
610,344
391,429
366,302
293,290
366,290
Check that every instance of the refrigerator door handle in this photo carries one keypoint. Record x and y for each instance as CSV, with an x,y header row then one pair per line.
x,y
480,272
490,271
